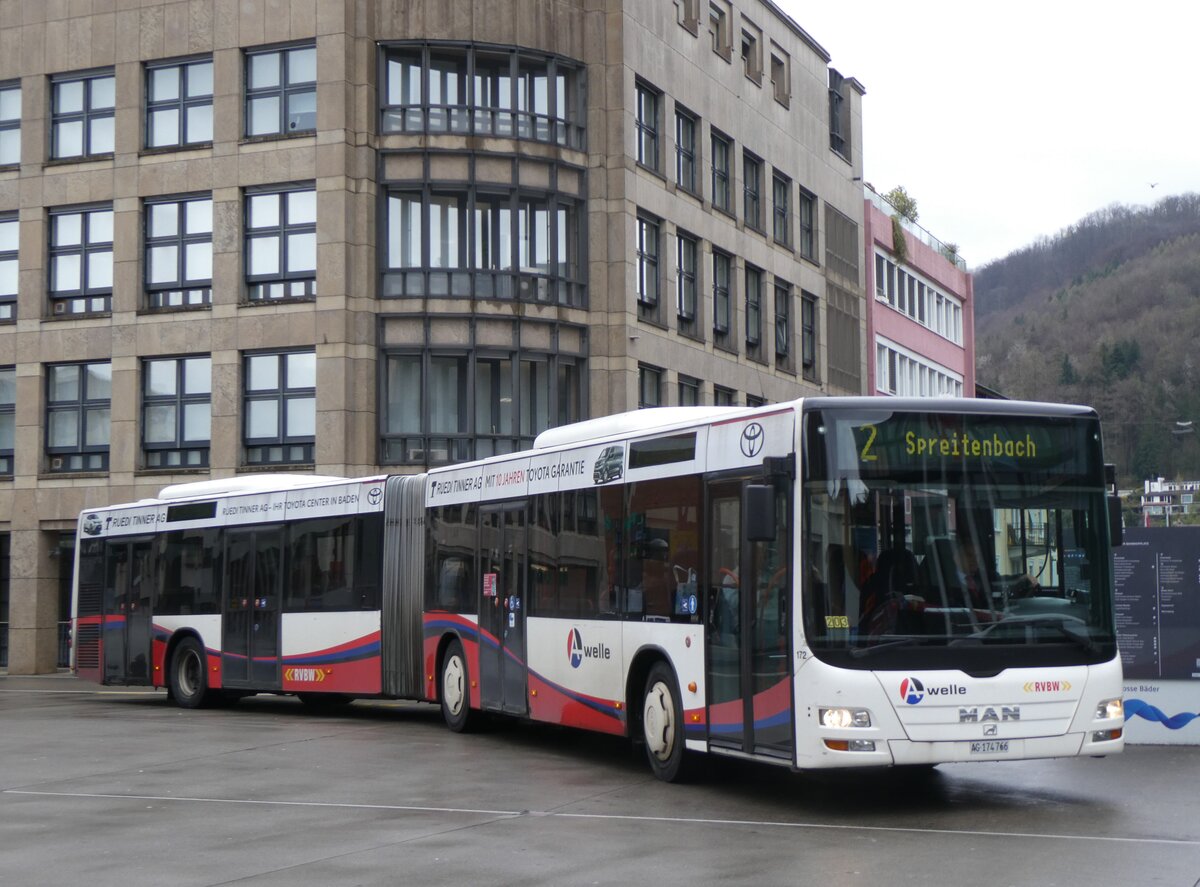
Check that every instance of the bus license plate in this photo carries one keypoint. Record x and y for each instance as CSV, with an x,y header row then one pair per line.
x,y
990,747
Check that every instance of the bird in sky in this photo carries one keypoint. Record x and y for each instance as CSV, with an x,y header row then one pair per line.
x,y
1153,184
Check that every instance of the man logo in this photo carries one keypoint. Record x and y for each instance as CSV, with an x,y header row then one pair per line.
x,y
752,440
912,691
575,647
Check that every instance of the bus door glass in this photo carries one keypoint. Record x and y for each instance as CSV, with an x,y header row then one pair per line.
x,y
502,660
127,612
250,642
749,613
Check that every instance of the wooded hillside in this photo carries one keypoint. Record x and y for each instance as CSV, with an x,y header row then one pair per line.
x,y
1107,312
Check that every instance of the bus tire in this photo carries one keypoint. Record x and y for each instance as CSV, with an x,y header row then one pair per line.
x,y
189,674
454,690
662,725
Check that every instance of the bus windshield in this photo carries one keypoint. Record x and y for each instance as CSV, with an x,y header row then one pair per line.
x,y
955,540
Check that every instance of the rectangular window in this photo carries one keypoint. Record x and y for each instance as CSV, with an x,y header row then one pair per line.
x,y
281,91
9,265
281,244
178,240
648,101
176,411
179,103
783,321
10,124
781,209
649,386
78,416
81,260
839,115
752,190
753,307
808,332
724,397
81,115
689,391
781,78
753,400
279,393
808,225
752,56
721,308
8,418
718,27
685,150
722,192
685,281
647,268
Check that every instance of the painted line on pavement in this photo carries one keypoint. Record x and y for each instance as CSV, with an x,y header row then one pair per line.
x,y
672,820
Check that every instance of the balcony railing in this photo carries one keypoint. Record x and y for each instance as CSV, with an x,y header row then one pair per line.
x,y
881,203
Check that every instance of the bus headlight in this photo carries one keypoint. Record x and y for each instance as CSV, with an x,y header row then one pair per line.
x,y
1109,709
845,717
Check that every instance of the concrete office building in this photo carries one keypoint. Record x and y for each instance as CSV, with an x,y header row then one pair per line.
x,y
351,237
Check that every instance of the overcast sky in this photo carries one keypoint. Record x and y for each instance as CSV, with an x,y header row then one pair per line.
x,y
1007,122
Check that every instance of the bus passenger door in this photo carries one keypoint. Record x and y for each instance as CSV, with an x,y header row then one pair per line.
x,y
503,671
127,612
748,619
250,642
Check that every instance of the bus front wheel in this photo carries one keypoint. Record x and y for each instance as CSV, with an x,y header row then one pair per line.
x,y
662,725
455,695
189,674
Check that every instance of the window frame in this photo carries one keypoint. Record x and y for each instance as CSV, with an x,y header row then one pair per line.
x,y
8,416
85,296
91,456
721,293
86,116
754,307
647,129
806,207
192,453
692,385
11,124
724,397
686,279
183,103
686,151
650,379
303,445
752,191
8,301
284,90
722,175
259,287
648,282
783,322
183,292
781,210
809,324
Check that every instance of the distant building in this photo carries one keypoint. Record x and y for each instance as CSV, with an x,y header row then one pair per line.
x,y
1162,498
921,322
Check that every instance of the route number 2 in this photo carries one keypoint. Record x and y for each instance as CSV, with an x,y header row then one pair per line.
x,y
866,455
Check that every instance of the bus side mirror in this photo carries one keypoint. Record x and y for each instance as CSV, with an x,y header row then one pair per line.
x,y
758,505
1115,529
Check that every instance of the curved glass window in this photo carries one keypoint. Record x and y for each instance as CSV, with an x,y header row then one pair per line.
x,y
477,243
483,91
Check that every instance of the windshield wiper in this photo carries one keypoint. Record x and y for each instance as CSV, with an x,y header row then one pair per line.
x,y
1071,628
861,652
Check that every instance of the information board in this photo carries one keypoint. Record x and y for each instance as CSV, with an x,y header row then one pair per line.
x,y
1157,582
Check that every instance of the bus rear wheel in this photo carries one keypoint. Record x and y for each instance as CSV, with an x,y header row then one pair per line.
x,y
662,725
455,692
189,675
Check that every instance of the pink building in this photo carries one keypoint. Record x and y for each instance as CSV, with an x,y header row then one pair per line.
x,y
921,323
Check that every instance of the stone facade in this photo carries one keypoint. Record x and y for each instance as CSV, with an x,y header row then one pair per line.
x,y
593,340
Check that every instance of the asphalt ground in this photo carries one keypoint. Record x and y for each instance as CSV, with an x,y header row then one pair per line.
x,y
102,786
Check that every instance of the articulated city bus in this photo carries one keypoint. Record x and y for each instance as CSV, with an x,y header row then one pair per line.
x,y
833,582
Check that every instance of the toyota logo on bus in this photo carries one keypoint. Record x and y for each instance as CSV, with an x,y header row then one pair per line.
x,y
752,440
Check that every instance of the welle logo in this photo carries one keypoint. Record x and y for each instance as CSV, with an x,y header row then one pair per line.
x,y
577,651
